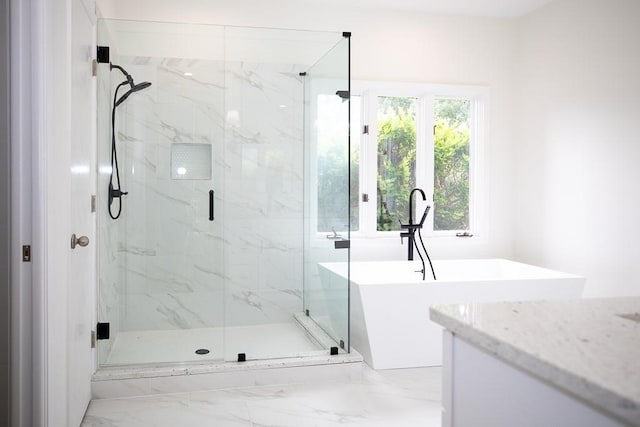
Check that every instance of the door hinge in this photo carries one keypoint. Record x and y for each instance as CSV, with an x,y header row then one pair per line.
x,y
26,253
94,68
102,331
365,197
365,130
93,339
93,203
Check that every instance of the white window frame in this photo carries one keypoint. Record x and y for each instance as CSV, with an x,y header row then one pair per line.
x,y
425,93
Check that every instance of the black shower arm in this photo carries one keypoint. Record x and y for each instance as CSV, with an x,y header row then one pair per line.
x,y
123,71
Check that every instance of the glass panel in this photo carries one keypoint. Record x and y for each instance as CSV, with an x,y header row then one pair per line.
x,y
396,159
219,128
160,263
327,194
451,168
264,190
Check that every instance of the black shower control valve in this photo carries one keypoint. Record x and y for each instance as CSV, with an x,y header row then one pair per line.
x,y
115,193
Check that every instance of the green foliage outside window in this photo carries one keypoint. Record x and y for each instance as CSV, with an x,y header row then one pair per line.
x,y
396,162
451,165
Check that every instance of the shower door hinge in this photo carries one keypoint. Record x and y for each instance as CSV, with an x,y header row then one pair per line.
x,y
343,94
341,244
365,130
102,331
102,55
93,339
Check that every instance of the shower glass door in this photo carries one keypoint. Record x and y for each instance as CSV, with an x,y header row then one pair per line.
x,y
327,202
264,190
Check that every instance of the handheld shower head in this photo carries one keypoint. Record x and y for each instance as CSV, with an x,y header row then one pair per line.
x,y
134,88
115,191
140,86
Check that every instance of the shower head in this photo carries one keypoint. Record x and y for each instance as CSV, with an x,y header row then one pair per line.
x,y
134,88
140,86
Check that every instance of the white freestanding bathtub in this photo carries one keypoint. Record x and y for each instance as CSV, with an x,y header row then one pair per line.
x,y
389,318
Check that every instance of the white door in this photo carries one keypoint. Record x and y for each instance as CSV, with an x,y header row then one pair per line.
x,y
81,305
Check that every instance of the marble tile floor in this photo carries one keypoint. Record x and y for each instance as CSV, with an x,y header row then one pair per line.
x,y
399,398
257,341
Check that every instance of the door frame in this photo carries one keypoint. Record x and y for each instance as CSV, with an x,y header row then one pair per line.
x,y
39,143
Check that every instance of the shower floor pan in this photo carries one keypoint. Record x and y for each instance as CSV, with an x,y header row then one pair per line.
x,y
158,362
262,341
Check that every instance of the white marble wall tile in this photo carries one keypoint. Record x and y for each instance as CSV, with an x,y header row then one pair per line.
x,y
264,198
245,307
174,310
174,261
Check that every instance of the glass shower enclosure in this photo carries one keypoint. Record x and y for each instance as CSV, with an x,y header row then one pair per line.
x,y
230,176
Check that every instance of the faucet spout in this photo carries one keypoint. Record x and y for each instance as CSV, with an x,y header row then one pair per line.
x,y
412,226
424,197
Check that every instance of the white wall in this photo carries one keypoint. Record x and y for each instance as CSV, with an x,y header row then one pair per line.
x,y
578,145
5,220
394,46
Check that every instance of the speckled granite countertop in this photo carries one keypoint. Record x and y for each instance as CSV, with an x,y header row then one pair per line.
x,y
589,348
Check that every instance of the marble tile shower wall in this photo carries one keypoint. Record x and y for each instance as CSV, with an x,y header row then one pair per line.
x,y
264,193
181,270
172,253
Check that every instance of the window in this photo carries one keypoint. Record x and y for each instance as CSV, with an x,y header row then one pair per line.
x,y
409,136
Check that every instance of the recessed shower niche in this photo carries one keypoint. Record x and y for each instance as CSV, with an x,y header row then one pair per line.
x,y
218,163
191,161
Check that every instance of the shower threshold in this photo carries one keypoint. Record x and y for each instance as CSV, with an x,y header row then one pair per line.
x,y
157,372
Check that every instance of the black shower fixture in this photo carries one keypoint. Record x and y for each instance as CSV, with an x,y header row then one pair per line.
x,y
115,192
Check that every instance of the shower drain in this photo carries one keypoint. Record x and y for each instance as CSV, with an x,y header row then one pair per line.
x,y
202,351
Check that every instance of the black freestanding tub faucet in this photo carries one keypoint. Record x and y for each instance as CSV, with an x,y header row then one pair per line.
x,y
410,234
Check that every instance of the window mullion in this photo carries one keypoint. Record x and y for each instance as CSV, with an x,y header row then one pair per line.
x,y
372,161
425,155
368,164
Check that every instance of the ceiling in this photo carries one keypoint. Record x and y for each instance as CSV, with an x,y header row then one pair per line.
x,y
496,8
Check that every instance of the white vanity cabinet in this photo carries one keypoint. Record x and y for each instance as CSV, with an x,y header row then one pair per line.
x,y
542,363
480,390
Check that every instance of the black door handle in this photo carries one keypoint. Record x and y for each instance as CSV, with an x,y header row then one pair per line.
x,y
211,207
